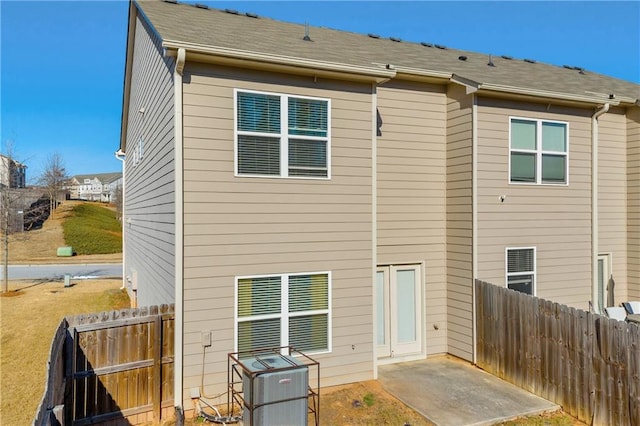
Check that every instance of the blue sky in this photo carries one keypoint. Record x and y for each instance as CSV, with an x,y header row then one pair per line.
x,y
62,63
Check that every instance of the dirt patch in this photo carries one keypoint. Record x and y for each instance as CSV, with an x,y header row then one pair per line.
x,y
40,246
14,293
365,403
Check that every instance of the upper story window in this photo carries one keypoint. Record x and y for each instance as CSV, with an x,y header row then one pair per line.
x,y
538,152
521,269
282,135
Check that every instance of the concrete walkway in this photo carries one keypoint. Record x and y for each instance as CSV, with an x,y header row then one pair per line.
x,y
448,391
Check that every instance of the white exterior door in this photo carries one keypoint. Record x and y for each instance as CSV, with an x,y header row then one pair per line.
x,y
398,311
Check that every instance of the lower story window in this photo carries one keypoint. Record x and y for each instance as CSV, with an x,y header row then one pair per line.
x,y
284,310
521,269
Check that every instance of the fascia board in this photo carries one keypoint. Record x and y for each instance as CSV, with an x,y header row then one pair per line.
x,y
597,100
126,93
372,72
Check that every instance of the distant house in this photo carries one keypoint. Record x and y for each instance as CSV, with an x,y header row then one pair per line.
x,y
340,192
97,187
12,173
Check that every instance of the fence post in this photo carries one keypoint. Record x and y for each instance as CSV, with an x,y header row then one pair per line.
x,y
157,368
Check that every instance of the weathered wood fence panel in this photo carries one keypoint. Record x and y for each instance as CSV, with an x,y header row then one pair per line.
x,y
586,363
113,368
50,409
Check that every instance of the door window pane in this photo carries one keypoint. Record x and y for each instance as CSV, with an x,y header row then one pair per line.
x,y
406,290
380,308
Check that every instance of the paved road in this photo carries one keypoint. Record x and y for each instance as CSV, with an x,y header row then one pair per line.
x,y
33,272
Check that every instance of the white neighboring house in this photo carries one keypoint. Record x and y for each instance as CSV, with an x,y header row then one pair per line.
x,y
97,187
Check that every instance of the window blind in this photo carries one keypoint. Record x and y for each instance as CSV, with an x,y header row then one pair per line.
x,y
258,113
307,117
258,155
259,296
308,292
520,260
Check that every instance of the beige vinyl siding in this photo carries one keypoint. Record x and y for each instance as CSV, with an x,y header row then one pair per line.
x,y
612,196
459,223
242,226
411,193
149,211
633,202
556,219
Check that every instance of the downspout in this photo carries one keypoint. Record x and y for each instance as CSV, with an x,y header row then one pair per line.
x,y
179,222
594,205
474,219
374,218
120,155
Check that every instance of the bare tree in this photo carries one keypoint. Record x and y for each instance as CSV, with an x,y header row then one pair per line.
x,y
53,179
11,207
117,201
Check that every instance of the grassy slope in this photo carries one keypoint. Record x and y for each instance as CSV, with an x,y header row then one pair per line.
x,y
93,229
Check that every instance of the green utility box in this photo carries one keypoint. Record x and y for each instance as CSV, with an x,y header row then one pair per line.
x,y
65,251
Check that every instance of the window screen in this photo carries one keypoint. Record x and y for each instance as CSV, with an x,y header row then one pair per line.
x,y
538,152
521,270
268,306
282,135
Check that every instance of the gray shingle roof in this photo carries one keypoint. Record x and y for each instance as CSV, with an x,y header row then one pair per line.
x,y
105,178
215,28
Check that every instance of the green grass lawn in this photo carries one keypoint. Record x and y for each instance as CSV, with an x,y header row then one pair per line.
x,y
93,229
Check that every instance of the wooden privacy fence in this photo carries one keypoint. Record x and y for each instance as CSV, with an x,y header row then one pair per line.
x,y
586,363
111,368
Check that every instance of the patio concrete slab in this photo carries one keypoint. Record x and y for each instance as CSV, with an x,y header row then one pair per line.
x,y
448,391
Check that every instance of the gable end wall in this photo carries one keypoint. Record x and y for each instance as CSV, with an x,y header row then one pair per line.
x,y
149,199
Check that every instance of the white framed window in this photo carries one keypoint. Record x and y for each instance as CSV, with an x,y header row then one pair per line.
x,y
521,269
284,310
538,151
278,135
138,151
